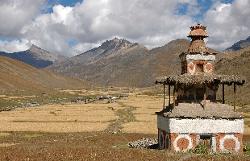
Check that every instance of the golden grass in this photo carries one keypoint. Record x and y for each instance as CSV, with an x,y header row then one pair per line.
x,y
89,117
4,134
59,118
145,118
53,127
32,135
2,95
82,117
4,145
17,97
98,91
246,130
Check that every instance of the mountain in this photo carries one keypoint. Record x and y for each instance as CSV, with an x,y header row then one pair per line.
x,y
16,75
240,45
105,65
118,62
35,56
238,64
107,50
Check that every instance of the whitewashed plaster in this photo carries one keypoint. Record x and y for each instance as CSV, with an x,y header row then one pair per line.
x,y
200,57
174,125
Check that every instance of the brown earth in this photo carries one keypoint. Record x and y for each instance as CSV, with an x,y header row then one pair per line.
x,y
237,64
90,146
16,75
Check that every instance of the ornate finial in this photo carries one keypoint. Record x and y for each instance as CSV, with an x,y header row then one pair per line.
x,y
198,30
197,34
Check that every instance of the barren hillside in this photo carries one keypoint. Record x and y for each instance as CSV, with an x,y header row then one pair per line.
x,y
119,62
238,63
16,75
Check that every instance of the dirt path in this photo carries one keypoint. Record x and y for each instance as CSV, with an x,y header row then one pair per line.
x,y
124,115
144,113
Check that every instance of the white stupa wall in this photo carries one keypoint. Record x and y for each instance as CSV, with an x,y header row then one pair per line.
x,y
198,125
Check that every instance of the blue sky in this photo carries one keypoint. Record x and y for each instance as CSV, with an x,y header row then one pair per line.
x,y
64,2
50,3
204,6
63,27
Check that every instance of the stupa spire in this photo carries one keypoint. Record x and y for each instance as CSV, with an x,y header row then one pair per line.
x,y
197,34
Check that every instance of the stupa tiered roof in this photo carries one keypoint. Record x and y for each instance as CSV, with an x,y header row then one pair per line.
x,y
202,78
197,34
211,111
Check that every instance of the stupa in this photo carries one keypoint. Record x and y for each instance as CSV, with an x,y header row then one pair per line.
x,y
195,115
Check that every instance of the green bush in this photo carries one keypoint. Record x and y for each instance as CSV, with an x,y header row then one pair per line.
x,y
247,149
201,149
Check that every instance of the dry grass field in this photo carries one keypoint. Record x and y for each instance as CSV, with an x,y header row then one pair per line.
x,y
97,116
99,130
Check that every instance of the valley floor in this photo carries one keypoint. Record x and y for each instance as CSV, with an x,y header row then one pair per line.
x,y
134,114
30,146
94,131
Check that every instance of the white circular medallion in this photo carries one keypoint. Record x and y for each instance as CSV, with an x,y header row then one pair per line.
x,y
183,136
230,137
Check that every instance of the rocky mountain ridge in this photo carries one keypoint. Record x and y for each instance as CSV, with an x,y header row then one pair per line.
x,y
239,45
35,56
120,62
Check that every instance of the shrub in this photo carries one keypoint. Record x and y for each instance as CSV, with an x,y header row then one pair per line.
x,y
201,149
247,149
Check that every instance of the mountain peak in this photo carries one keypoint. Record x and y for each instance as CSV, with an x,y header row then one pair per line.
x,y
116,43
240,45
115,39
34,46
36,49
118,40
40,53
